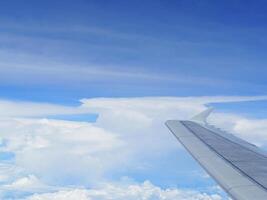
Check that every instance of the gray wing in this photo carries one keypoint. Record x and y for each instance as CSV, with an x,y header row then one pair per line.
x,y
239,167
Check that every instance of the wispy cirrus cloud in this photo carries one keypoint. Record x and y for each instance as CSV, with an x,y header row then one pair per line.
x,y
34,54
29,68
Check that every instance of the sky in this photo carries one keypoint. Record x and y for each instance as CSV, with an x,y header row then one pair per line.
x,y
87,85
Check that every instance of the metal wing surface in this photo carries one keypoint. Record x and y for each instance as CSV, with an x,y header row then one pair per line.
x,y
239,167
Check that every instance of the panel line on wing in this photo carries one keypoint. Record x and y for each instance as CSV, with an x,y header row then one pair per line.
x,y
224,141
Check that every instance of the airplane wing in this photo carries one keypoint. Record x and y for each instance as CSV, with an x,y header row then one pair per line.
x,y
239,167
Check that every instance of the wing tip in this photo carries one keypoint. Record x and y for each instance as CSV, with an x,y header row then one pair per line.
x,y
202,117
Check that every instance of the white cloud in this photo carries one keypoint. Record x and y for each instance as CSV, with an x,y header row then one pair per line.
x,y
55,149
145,191
32,68
129,135
144,117
9,172
28,183
30,109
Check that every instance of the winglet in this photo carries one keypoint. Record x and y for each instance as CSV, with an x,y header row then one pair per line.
x,y
202,117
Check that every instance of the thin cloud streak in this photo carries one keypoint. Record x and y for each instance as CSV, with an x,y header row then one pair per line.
x,y
52,72
20,64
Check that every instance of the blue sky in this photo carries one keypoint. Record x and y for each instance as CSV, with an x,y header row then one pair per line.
x,y
154,48
55,53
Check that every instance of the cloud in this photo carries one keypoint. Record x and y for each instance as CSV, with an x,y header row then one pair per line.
x,y
41,67
62,151
30,67
129,138
146,191
56,63
39,72
28,183
146,105
10,108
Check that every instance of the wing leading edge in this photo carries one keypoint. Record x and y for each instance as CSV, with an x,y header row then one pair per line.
x,y
239,167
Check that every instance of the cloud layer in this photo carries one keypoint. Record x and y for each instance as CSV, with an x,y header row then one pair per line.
x,y
144,191
50,158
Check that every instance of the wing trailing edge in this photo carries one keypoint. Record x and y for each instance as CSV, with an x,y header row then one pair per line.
x,y
238,167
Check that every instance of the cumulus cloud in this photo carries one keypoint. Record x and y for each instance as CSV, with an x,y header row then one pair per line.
x,y
58,149
26,183
129,135
144,191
